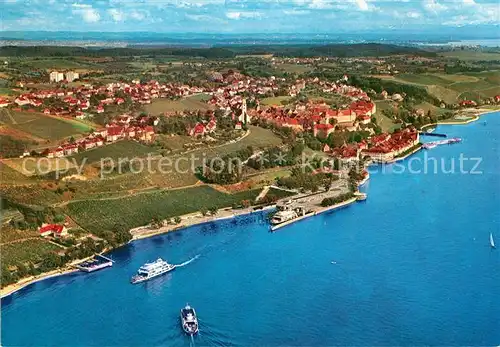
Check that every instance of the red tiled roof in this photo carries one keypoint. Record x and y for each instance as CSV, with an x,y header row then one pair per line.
x,y
51,227
323,126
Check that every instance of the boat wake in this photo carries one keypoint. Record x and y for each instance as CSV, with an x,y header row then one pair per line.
x,y
188,262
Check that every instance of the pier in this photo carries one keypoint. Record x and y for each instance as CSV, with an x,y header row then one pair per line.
x,y
97,263
424,133
314,213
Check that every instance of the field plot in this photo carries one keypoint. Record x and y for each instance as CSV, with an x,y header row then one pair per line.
x,y
295,68
274,101
55,63
174,142
385,123
268,177
258,138
429,107
134,211
38,166
192,103
32,251
456,77
120,149
471,55
423,79
472,86
448,95
490,92
8,175
40,126
10,234
452,88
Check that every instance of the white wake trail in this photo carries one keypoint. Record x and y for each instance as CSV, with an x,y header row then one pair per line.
x,y
188,262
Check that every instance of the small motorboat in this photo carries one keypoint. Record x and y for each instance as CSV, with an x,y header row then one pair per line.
x,y
492,242
188,320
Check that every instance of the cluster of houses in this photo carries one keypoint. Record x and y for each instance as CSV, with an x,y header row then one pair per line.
x,y
380,148
203,128
320,118
123,127
386,147
77,99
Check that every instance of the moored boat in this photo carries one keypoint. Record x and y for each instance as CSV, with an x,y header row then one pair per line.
x,y
97,263
152,270
189,321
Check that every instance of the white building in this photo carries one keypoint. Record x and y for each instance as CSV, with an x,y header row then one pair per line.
x,y
71,76
56,76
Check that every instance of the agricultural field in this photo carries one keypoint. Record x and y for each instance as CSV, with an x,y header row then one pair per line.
x,y
36,194
52,63
193,103
448,95
429,107
8,175
451,88
469,55
32,251
181,167
423,79
274,101
40,127
120,149
257,138
456,77
294,68
36,166
385,123
268,177
174,142
9,234
278,193
134,211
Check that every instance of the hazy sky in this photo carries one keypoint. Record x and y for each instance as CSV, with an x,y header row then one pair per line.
x,y
250,16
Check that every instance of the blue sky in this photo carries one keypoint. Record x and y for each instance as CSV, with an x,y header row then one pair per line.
x,y
249,16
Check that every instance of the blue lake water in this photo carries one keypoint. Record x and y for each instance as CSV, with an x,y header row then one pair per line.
x,y
413,267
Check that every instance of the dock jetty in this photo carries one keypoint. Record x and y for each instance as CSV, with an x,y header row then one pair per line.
x,y
97,263
426,133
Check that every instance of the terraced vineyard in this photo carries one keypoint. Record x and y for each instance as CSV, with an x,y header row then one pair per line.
x,y
40,127
32,250
133,211
452,88
120,149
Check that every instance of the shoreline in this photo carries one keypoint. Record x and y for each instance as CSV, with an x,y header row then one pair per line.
x,y
15,287
194,219
25,282
474,118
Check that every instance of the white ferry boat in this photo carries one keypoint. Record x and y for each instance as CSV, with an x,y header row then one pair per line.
x,y
283,216
287,212
188,320
152,270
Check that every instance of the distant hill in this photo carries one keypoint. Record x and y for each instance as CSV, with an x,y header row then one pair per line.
x,y
332,50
